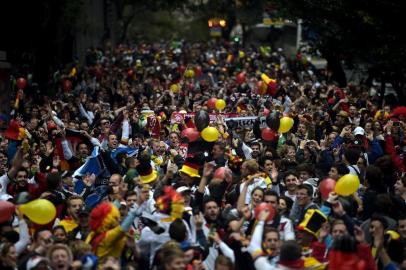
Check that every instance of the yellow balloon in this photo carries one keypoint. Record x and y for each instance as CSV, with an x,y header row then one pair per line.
x,y
220,104
174,88
210,134
286,123
189,73
241,54
39,211
347,185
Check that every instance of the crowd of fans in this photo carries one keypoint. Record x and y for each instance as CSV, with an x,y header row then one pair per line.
x,y
106,145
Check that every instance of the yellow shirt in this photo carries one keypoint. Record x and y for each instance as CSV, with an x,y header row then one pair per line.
x,y
68,224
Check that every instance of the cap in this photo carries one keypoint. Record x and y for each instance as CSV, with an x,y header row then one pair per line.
x,y
359,131
182,189
123,203
312,222
190,167
144,169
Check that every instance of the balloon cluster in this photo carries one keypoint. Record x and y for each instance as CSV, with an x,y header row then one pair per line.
x,y
202,120
218,104
276,124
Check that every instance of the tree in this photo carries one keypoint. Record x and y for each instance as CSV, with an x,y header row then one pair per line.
x,y
356,31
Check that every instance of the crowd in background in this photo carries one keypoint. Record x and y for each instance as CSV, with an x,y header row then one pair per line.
x,y
105,143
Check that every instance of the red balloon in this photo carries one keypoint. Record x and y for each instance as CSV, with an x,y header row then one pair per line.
x,y
181,69
190,133
67,85
223,173
6,211
99,73
262,206
211,103
268,134
326,186
240,78
198,71
191,86
21,83
272,88
130,73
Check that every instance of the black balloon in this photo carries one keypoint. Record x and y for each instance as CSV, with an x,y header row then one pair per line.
x,y
272,120
202,120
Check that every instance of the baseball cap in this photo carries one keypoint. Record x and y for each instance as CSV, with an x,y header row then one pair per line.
x,y
182,189
359,131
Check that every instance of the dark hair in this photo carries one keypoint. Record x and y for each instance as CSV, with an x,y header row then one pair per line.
x,y
224,260
221,145
59,227
271,193
258,188
130,193
309,189
289,201
177,230
381,219
306,167
207,200
345,243
383,204
37,232
262,160
5,249
352,155
269,229
21,169
255,143
373,177
79,144
342,169
290,172
290,251
53,181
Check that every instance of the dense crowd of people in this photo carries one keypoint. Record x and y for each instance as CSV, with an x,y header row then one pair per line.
x,y
116,145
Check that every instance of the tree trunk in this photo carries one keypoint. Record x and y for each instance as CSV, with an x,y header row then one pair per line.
x,y
126,23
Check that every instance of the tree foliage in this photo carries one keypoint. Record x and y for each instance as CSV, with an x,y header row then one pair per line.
x,y
363,31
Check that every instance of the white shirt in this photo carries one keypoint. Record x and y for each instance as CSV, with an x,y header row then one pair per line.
x,y
4,180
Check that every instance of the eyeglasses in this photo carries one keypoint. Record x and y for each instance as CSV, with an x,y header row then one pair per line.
x,y
105,123
49,240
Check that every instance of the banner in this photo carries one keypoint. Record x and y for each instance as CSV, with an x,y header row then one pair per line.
x,y
241,122
246,122
178,117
